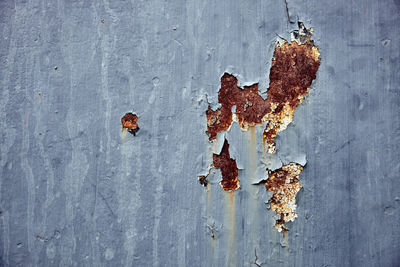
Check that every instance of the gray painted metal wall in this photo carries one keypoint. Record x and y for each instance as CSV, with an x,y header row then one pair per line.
x,y
76,191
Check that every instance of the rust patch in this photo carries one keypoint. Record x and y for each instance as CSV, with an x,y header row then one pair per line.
x,y
130,121
284,183
228,167
250,106
293,69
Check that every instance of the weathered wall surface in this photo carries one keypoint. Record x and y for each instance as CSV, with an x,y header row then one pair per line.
x,y
76,191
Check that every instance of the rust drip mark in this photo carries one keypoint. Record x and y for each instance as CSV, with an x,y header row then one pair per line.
x,y
284,183
232,228
293,69
130,121
228,167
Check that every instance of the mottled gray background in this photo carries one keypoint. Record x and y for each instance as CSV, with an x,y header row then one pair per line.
x,y
76,191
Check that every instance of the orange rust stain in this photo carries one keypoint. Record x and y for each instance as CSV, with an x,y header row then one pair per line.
x,y
232,230
284,183
130,121
228,168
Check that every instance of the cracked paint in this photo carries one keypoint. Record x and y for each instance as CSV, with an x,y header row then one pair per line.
x,y
284,183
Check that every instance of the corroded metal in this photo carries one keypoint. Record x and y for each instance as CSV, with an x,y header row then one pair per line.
x,y
130,121
284,183
293,69
228,167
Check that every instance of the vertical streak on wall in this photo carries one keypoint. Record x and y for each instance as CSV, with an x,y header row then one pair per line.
x,y
230,223
253,197
208,207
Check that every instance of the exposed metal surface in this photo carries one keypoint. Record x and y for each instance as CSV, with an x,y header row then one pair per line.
x,y
293,69
285,184
130,121
76,191
228,167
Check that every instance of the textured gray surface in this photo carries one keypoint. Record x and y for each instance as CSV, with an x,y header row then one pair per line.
x,y
75,191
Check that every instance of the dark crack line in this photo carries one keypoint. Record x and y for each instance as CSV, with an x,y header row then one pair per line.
x,y
104,199
287,13
344,145
108,206
255,262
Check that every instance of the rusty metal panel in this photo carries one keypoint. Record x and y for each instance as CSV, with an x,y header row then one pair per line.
x,y
309,159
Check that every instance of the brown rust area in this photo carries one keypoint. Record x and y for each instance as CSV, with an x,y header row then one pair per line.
x,y
130,121
228,167
293,69
284,183
250,106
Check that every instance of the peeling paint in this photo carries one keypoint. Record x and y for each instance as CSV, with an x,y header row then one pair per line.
x,y
284,183
293,69
228,167
250,107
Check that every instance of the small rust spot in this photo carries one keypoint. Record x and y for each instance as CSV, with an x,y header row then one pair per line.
x,y
102,21
284,183
130,121
228,167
